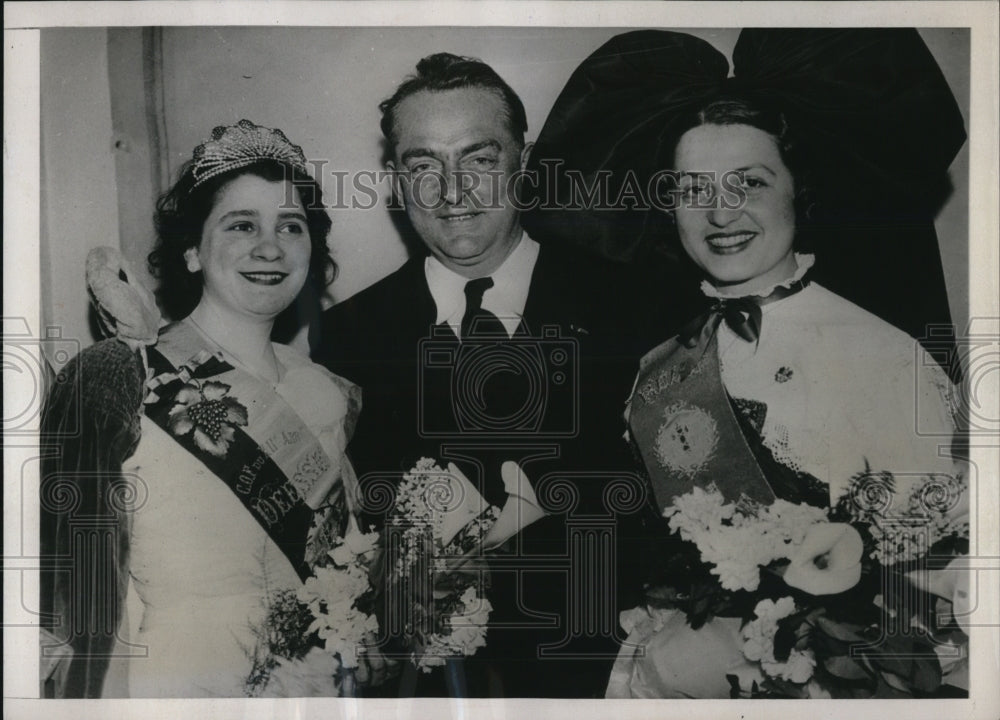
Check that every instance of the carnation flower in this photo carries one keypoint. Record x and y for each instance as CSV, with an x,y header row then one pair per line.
x,y
330,594
736,553
698,510
738,541
758,645
314,675
797,669
735,575
467,631
354,544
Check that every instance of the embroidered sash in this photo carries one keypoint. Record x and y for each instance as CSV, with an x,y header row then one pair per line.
x,y
199,403
681,420
680,415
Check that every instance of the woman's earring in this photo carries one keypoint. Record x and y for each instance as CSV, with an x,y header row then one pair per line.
x,y
191,260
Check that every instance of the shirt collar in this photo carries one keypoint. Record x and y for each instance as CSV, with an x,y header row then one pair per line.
x,y
506,299
803,261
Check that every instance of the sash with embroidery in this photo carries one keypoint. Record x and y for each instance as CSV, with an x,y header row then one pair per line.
x,y
195,407
682,422
681,417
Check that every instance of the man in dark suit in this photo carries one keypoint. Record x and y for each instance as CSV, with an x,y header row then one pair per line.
x,y
494,348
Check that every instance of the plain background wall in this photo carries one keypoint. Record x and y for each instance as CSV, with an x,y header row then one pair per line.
x,y
322,86
79,202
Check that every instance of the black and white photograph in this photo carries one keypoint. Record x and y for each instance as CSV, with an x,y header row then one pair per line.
x,y
437,359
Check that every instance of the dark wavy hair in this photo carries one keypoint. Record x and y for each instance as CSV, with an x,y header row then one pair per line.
x,y
180,216
736,108
444,71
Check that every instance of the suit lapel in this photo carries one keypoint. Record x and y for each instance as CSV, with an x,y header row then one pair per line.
x,y
416,309
552,296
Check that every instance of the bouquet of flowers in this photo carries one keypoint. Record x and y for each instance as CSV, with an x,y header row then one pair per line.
x,y
310,641
440,524
835,602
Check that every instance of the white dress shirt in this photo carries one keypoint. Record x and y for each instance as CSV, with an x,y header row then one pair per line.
x,y
506,299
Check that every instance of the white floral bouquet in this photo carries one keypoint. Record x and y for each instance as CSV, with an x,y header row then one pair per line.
x,y
835,602
440,524
312,639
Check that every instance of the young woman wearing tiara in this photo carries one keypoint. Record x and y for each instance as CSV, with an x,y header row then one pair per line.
x,y
210,472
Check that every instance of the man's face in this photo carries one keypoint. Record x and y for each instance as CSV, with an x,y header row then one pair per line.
x,y
456,159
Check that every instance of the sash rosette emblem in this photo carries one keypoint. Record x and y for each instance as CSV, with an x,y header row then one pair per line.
x,y
207,410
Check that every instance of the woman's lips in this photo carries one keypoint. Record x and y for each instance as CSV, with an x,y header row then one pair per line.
x,y
264,278
729,243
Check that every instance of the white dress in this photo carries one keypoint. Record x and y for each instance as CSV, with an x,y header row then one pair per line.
x,y
844,392
202,568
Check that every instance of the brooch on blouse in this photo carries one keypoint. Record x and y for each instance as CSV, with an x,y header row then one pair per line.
x,y
783,375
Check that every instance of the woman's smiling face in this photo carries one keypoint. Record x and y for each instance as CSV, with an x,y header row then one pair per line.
x,y
747,247
255,248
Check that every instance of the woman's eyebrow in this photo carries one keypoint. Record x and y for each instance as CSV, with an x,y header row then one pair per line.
x,y
755,166
239,213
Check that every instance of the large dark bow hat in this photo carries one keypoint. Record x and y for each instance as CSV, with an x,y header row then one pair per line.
x,y
878,126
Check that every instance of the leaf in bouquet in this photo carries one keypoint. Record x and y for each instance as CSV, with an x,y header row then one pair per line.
x,y
950,545
784,640
775,569
887,661
845,632
891,685
846,668
779,688
791,631
700,612
661,596
734,686
926,674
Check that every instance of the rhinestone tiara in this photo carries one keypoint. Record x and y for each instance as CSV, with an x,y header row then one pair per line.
x,y
242,144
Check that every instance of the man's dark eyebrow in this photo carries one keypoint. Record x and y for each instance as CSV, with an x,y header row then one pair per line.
x,y
415,152
476,147
468,150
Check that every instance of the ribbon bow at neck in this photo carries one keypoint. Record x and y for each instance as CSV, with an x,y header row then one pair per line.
x,y
742,315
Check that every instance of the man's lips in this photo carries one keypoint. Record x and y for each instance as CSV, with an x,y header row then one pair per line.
x,y
264,278
727,243
459,217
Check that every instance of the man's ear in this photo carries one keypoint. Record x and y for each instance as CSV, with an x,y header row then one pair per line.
x,y
192,259
526,153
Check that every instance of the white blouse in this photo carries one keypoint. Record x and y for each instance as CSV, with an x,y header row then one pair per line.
x,y
843,390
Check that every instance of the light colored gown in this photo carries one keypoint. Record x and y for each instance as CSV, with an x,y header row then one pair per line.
x,y
202,568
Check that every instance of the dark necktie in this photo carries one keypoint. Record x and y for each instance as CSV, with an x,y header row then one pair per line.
x,y
479,322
